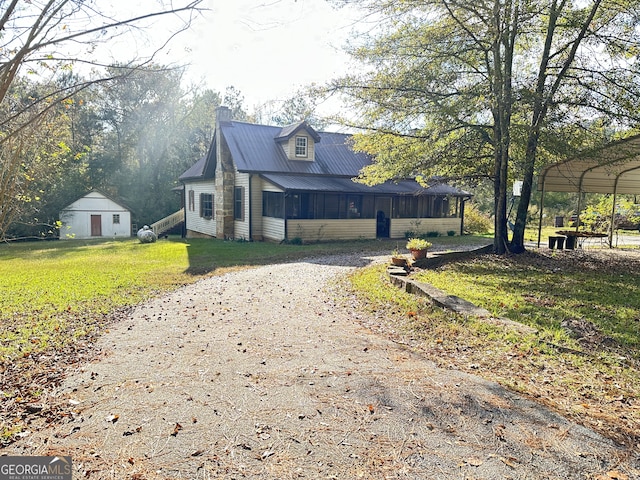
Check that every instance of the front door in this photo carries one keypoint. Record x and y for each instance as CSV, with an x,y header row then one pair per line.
x,y
383,216
96,225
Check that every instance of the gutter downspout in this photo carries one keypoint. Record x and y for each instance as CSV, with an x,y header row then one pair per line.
x,y
284,215
250,203
185,200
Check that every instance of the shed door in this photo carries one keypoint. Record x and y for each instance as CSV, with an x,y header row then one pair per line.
x,y
96,225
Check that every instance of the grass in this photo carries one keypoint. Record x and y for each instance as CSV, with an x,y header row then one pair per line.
x,y
56,292
585,359
59,296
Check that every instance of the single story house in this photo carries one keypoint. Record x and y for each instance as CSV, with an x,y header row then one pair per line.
x,y
261,182
95,215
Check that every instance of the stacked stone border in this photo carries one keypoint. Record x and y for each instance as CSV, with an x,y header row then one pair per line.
x,y
401,278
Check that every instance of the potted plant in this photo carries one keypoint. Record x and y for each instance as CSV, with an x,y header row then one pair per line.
x,y
398,259
418,247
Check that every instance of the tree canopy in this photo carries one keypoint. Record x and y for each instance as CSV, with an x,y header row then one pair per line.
x,y
490,89
41,43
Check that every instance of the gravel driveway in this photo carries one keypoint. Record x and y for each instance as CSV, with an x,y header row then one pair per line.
x,y
264,373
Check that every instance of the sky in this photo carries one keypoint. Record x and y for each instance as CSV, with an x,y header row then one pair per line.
x,y
267,49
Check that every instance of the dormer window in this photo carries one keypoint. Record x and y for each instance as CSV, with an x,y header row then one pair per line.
x,y
301,147
298,141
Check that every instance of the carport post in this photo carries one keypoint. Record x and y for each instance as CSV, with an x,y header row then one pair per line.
x,y
613,213
541,209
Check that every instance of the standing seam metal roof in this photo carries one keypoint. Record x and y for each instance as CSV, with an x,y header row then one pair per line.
x,y
255,150
347,185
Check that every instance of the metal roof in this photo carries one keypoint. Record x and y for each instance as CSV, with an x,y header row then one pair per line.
x,y
313,183
287,132
195,171
614,168
255,150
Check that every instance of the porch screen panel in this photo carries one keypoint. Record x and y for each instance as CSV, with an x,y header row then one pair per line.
x,y
302,205
368,206
331,205
406,207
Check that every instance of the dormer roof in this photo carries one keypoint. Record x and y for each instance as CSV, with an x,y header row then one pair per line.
x,y
290,130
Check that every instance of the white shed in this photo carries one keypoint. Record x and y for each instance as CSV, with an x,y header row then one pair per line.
x,y
95,216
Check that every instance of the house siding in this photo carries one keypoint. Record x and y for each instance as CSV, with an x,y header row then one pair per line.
x,y
290,148
398,226
273,228
329,229
198,226
256,208
241,227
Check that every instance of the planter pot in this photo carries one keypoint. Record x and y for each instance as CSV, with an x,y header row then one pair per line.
x,y
399,261
418,254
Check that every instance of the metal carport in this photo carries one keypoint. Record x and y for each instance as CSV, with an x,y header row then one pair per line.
x,y
612,169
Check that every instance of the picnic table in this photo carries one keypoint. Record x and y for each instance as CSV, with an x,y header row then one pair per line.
x,y
579,237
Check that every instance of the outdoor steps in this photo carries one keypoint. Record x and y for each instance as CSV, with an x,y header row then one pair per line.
x,y
167,223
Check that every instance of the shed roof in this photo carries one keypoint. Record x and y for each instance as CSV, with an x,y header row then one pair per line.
x,y
614,168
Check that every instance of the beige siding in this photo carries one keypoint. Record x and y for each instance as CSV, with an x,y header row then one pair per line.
x,y
273,228
196,225
268,187
256,207
324,229
399,226
241,227
290,148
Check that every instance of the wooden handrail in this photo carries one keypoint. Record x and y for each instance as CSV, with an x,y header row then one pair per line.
x,y
167,223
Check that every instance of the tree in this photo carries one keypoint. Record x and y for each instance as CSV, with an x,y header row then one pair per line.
x,y
42,39
490,89
297,108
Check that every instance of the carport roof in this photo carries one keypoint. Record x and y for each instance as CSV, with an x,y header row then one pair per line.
x,y
614,168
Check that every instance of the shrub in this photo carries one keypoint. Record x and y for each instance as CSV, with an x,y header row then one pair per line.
x,y
475,221
417,244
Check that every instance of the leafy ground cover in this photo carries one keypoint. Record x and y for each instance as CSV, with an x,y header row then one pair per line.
x,y
583,362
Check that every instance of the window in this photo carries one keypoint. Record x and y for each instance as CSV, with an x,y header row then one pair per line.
x,y
301,146
192,201
238,203
206,205
272,204
116,218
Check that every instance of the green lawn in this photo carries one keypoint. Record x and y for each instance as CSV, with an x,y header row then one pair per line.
x,y
54,292
58,295
584,360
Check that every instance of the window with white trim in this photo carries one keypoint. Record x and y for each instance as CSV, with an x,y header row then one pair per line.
x,y
206,205
116,218
301,147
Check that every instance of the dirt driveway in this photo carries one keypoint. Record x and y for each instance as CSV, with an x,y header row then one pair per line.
x,y
263,374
